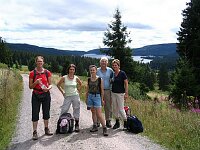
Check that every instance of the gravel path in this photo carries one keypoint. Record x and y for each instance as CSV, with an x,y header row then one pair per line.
x,y
84,140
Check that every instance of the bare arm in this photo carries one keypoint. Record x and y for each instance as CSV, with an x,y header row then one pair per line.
x,y
86,94
79,83
126,88
59,85
102,92
33,84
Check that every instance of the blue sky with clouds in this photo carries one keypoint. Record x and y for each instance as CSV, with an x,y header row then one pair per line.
x,y
80,24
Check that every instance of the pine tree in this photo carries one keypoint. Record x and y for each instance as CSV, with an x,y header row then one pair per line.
x,y
117,38
163,78
189,36
184,82
5,53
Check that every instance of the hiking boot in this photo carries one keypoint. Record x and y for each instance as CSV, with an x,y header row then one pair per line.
x,y
98,124
125,125
77,126
94,128
35,136
108,124
105,133
47,132
117,124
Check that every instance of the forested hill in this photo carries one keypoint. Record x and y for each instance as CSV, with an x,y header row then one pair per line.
x,y
43,50
155,50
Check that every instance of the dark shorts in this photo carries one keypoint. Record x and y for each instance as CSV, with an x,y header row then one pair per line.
x,y
45,100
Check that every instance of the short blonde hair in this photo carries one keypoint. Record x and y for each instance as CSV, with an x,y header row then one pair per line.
x,y
116,61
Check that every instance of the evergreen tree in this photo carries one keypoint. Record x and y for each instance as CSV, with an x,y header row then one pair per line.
x,y
184,82
117,38
163,78
31,64
5,53
189,36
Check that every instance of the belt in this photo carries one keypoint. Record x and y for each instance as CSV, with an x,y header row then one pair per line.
x,y
94,93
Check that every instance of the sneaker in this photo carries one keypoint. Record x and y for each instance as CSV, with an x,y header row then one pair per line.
x,y
94,128
35,136
108,124
105,133
77,128
47,132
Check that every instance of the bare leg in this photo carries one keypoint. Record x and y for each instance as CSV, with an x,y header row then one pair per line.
x,y
94,115
35,123
100,116
46,123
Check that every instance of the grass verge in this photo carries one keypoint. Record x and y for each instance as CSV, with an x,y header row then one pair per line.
x,y
10,96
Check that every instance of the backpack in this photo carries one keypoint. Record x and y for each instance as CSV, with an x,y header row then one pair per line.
x,y
65,124
134,125
99,83
34,74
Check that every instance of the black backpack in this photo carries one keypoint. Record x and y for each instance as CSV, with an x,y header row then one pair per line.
x,y
68,128
134,125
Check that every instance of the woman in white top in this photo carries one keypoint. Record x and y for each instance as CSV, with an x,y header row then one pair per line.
x,y
71,93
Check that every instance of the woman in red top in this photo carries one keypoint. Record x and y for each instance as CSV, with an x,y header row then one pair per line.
x,y
40,82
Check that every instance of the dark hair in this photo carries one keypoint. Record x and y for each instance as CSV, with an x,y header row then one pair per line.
x,y
91,66
71,65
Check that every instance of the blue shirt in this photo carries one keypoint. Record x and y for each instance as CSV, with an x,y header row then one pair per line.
x,y
106,76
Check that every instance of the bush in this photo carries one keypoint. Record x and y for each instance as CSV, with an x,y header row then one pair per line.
x,y
138,91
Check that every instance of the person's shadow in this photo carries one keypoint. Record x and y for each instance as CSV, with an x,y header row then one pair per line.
x,y
84,134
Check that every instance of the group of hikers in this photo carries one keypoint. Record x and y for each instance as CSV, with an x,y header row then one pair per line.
x,y
107,87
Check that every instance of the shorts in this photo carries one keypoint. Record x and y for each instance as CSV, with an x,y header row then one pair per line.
x,y
94,100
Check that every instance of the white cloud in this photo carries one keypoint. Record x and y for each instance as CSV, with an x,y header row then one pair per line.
x,y
80,24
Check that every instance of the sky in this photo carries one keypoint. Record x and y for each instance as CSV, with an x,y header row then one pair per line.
x,y
81,24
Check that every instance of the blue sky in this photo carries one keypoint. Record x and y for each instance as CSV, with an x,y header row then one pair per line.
x,y
80,24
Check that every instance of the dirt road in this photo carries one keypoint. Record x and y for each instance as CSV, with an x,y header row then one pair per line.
x,y
84,140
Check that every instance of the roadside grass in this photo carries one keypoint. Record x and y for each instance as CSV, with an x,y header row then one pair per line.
x,y
10,95
167,126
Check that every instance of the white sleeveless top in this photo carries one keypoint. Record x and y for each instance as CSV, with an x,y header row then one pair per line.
x,y
70,86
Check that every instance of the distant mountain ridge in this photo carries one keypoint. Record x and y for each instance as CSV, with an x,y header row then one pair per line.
x,y
154,50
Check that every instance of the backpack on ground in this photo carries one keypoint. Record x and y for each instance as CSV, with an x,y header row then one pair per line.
x,y
134,125
65,124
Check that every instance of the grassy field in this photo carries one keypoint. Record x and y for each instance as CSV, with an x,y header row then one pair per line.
x,y
10,95
167,126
